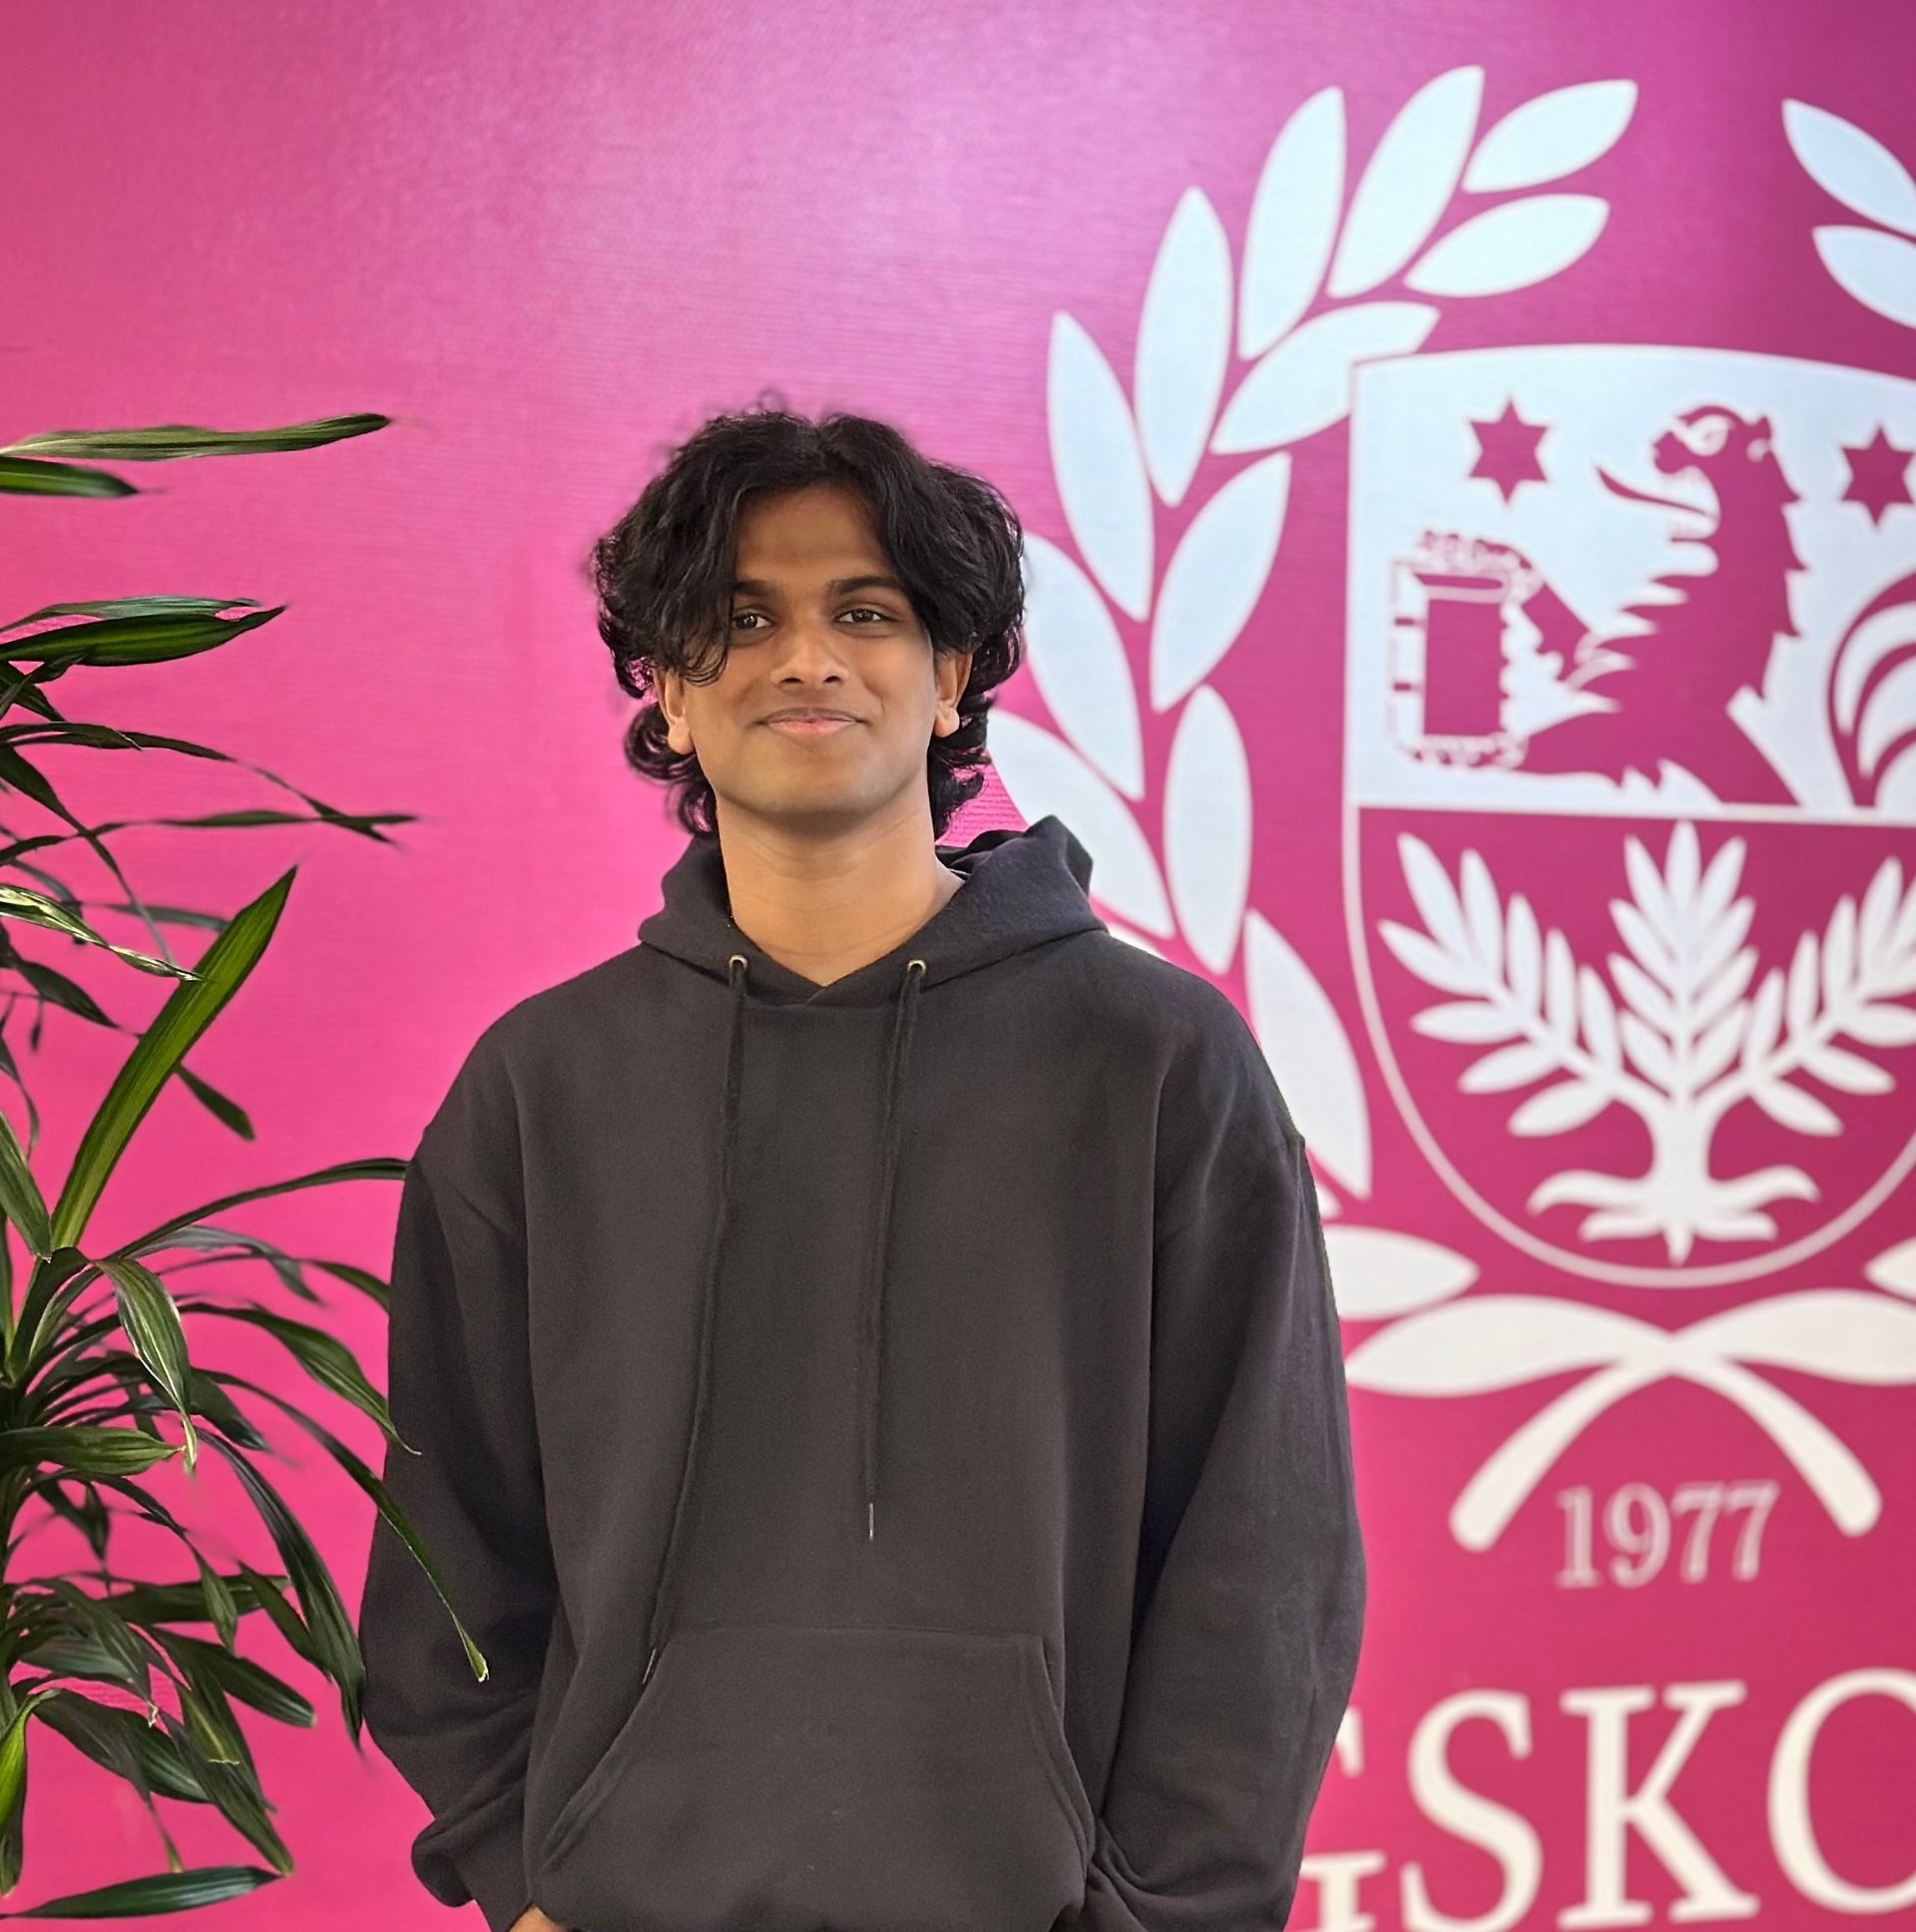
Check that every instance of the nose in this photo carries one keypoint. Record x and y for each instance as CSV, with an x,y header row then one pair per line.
x,y
810,650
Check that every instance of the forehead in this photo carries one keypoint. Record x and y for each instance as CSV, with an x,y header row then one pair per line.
x,y
822,531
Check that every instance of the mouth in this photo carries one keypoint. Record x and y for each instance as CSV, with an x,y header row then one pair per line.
x,y
821,725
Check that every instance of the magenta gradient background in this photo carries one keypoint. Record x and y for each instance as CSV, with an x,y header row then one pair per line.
x,y
547,242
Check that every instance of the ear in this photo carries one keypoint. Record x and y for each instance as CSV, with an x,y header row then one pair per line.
x,y
669,688
953,673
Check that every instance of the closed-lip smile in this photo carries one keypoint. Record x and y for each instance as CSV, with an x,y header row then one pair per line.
x,y
819,714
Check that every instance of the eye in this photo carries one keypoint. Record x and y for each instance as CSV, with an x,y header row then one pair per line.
x,y
866,609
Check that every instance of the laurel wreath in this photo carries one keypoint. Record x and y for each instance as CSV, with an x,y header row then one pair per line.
x,y
1119,460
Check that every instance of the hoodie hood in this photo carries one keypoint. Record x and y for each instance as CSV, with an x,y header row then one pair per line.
x,y
1021,889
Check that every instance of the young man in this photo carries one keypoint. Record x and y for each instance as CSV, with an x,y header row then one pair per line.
x,y
870,1345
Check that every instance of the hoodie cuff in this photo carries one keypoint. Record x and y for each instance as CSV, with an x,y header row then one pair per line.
x,y
490,1858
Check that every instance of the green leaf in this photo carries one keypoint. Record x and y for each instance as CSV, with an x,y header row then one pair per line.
x,y
266,1596
123,1742
237,1675
376,1168
189,1009
322,1356
25,477
132,1657
52,984
152,1324
20,902
117,640
363,1474
224,1108
146,605
87,1516
175,1891
13,1750
222,1612
161,442
20,1197
83,1451
185,1603
335,1646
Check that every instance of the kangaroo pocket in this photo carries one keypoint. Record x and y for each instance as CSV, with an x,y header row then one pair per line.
x,y
786,1777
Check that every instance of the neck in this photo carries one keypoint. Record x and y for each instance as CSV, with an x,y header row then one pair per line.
x,y
825,906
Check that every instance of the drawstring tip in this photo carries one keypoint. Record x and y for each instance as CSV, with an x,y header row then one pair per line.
x,y
646,1678
872,1521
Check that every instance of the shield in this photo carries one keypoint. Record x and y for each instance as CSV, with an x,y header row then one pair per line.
x,y
1630,776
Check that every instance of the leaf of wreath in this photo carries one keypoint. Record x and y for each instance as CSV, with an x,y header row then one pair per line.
x,y
1473,1022
1644,940
1079,666
1184,344
1718,995
1680,886
1883,1025
1765,1015
1098,468
1721,940
1206,829
1551,135
1303,384
1650,1052
1902,943
1653,900
1292,221
1799,1000
1482,913
1311,1052
1643,995
1878,269
1878,915
1853,166
1790,1107
1413,170
1429,961
1435,897
1523,952
1509,1067
1560,986
1216,579
1382,1273
1513,246
1720,885
1599,1018
1557,1110
1840,956
1716,1052
1838,1066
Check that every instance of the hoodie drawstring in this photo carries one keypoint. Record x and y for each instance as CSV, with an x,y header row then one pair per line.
x,y
872,1295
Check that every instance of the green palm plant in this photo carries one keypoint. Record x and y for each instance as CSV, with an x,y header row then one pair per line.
x,y
93,1352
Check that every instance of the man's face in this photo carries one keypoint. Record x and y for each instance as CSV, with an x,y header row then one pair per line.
x,y
802,633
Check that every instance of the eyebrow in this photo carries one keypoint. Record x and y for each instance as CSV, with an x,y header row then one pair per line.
x,y
837,587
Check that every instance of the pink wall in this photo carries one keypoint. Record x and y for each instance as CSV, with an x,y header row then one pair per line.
x,y
547,242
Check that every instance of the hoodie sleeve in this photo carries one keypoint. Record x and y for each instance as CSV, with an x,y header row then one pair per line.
x,y
459,1391
1251,1571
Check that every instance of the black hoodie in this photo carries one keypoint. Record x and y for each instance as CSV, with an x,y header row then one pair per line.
x,y
887,1438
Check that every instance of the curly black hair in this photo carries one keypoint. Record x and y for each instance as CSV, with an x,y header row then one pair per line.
x,y
664,573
